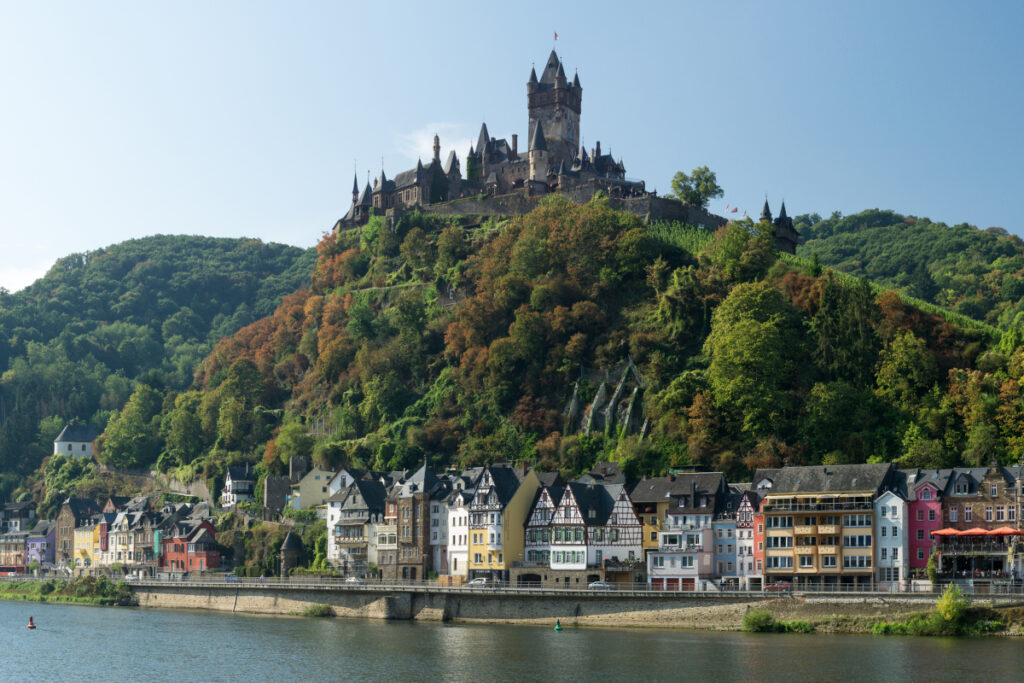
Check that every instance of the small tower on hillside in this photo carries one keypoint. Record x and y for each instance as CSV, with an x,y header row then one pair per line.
x,y
437,148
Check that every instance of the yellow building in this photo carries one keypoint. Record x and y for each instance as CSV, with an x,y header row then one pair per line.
x,y
86,540
497,517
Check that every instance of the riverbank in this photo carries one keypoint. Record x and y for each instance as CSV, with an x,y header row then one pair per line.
x,y
708,612
85,590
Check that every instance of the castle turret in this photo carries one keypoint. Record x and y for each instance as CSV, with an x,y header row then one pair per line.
x,y
355,188
766,213
437,148
531,85
538,155
483,141
786,236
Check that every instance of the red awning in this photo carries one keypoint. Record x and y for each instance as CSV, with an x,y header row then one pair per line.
x,y
946,532
976,531
1006,531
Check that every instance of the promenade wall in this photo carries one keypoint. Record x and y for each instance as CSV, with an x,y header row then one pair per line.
x,y
676,610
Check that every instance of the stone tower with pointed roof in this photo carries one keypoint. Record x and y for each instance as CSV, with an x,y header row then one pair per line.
x,y
555,104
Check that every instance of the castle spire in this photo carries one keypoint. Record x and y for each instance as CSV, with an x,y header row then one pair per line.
x,y
483,141
576,80
533,76
766,213
551,68
782,211
355,187
537,142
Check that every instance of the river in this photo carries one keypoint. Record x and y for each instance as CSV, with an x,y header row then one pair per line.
x,y
77,643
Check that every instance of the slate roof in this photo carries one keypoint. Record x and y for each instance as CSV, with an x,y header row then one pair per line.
x,y
292,542
506,483
604,473
831,478
41,529
550,479
451,163
76,433
81,507
245,473
372,492
537,141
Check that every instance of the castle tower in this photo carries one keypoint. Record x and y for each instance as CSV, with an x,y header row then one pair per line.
x,y
437,148
766,213
540,157
355,188
555,103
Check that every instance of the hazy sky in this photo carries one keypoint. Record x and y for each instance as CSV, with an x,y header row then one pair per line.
x,y
120,120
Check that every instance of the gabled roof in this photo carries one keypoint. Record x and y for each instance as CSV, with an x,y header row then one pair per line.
x,y
550,478
604,473
831,478
77,433
452,162
243,473
483,140
506,483
82,507
372,493
366,199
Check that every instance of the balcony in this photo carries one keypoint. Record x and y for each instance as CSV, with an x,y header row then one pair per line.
x,y
805,530
827,549
828,529
828,506
805,549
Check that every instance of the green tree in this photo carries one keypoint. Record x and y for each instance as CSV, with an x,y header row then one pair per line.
x,y
697,188
293,441
132,438
756,351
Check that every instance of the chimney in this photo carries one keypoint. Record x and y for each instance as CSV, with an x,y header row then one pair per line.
x,y
515,145
523,465
693,491
597,149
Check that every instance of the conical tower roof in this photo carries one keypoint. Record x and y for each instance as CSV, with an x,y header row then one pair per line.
x,y
538,141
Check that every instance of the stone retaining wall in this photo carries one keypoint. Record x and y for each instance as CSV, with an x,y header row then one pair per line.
x,y
598,609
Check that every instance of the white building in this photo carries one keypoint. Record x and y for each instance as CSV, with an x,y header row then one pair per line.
x,y
458,531
76,440
746,567
239,485
891,547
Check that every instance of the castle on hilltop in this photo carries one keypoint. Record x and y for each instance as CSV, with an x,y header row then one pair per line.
x,y
501,180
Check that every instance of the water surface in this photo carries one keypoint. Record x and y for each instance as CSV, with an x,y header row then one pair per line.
x,y
76,643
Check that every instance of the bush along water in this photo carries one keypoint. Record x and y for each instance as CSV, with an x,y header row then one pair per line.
x,y
97,590
762,621
953,616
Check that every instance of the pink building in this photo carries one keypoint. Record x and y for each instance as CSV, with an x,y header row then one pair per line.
x,y
924,508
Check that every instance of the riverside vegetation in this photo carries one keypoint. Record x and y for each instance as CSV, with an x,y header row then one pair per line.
x,y
95,590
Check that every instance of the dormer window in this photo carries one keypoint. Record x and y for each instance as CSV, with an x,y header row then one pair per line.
x,y
993,490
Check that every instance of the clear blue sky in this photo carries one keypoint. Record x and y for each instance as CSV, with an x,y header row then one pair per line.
x,y
126,119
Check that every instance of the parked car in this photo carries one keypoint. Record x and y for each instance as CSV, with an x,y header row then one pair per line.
x,y
231,577
355,581
602,586
481,582
779,587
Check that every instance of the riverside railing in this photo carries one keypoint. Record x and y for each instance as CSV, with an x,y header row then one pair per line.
x,y
984,590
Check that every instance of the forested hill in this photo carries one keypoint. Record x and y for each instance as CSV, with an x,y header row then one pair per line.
x,y
457,343
979,273
72,343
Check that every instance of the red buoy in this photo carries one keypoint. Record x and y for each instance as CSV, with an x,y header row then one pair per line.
x,y
31,624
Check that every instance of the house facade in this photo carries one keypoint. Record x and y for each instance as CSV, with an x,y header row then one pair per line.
x,y
891,543
76,440
497,517
819,524
239,485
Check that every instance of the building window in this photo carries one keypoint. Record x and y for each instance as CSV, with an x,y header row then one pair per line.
x,y
1012,513
920,534
968,513
895,531
952,514
885,553
806,561
920,553
931,515
895,554
988,514
993,490
1000,513
883,533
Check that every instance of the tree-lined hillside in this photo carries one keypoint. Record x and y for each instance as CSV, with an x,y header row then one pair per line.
x,y
462,344
73,343
979,273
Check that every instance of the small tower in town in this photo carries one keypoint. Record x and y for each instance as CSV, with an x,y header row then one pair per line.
x,y
291,553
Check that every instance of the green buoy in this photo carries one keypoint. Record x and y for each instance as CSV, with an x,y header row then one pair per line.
x,y
558,624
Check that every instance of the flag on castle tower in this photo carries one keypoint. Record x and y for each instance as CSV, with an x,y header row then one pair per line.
x,y
556,35
735,209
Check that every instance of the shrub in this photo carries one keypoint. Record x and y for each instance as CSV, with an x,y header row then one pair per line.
x,y
952,606
318,610
758,621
